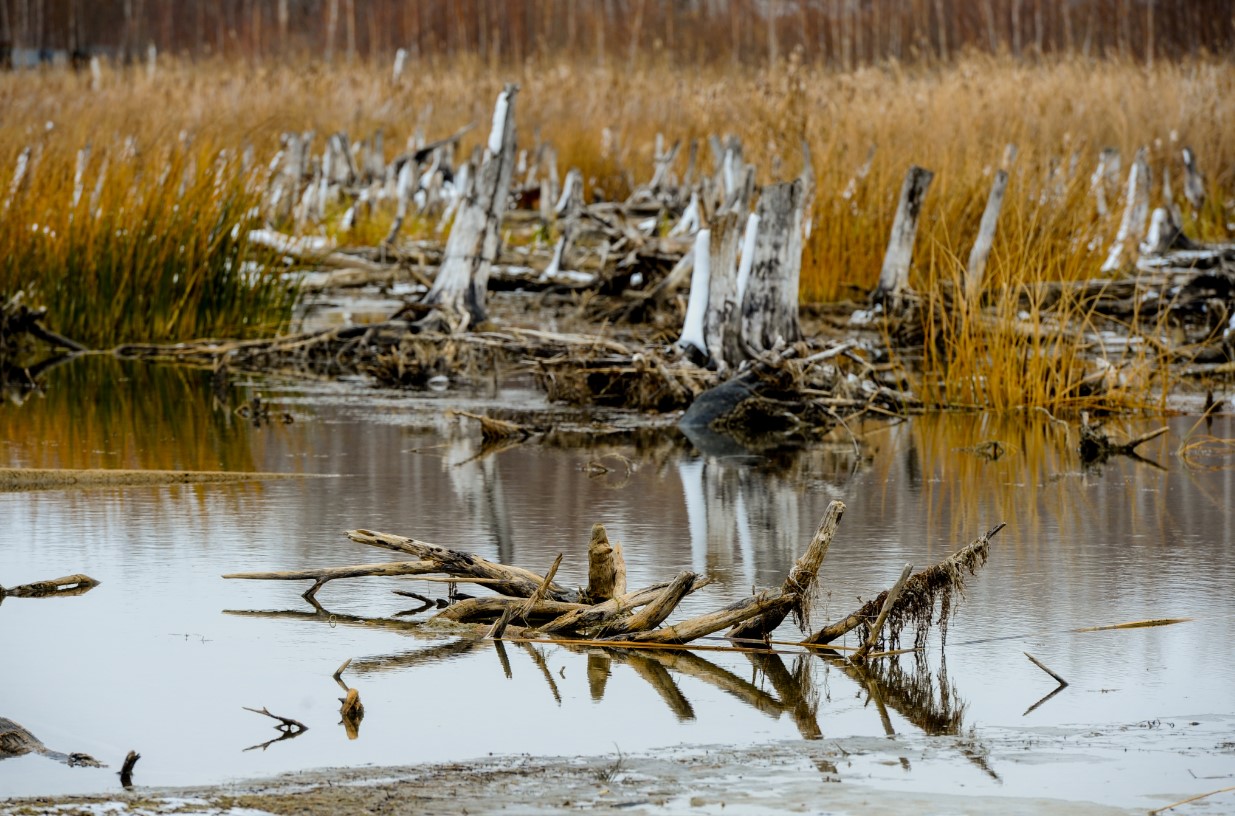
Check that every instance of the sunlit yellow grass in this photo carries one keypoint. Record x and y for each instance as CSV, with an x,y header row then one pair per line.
x,y
955,120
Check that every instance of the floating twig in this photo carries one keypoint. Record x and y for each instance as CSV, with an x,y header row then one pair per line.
x,y
1191,799
1141,624
1043,667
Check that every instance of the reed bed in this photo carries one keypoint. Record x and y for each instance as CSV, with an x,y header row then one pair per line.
x,y
864,128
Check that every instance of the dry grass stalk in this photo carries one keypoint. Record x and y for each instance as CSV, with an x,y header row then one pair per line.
x,y
916,606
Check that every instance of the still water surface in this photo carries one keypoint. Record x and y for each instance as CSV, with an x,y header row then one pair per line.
x,y
164,655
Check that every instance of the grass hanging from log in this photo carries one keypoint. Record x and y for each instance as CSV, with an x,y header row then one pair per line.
x,y
916,606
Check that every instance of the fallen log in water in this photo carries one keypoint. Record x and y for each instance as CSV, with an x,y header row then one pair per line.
x,y
604,614
916,603
68,585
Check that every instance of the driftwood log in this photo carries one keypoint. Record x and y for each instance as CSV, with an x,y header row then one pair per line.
x,y
529,606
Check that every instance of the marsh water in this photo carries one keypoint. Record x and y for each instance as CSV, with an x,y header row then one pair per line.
x,y
164,655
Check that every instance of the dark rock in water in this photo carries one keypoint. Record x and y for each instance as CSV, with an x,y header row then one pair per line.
x,y
719,402
757,410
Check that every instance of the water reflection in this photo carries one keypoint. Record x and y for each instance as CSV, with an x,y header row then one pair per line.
x,y
921,696
1083,547
104,412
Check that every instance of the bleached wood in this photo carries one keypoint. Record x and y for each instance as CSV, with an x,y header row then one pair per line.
x,y
463,279
893,287
975,271
770,302
1136,214
722,323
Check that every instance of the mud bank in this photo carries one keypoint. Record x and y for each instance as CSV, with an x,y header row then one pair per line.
x,y
992,771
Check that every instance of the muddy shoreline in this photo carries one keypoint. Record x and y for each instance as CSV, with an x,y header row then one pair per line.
x,y
1024,771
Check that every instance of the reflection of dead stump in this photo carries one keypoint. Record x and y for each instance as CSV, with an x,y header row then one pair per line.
x,y
352,712
1096,446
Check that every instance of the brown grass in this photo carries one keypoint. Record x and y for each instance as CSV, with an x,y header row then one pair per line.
x,y
955,120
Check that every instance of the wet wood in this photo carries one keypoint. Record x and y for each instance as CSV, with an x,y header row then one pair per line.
x,y
76,584
524,610
877,627
657,610
126,770
479,610
511,581
324,575
1044,668
801,580
602,566
1141,624
591,617
351,712
949,573
1097,447
768,601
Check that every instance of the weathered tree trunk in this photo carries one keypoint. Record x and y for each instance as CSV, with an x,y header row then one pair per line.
x,y
693,323
602,566
1136,213
655,613
478,610
459,290
975,271
768,601
514,581
770,302
893,288
722,326
800,581
598,614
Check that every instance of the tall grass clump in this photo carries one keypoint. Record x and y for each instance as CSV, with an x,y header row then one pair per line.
x,y
1012,347
122,244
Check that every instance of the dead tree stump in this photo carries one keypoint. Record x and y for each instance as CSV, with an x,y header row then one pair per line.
x,y
460,287
770,302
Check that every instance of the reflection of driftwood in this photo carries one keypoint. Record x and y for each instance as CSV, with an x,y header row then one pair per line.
x,y
68,585
1063,684
1096,446
658,677
41,478
795,690
917,602
288,728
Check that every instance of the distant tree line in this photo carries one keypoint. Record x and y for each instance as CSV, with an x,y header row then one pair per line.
x,y
845,33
